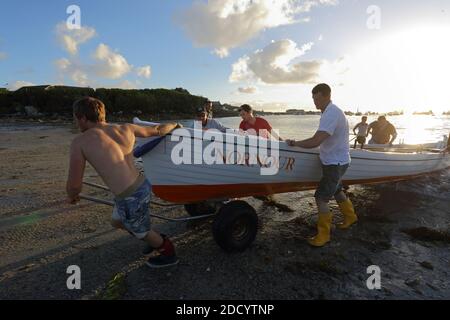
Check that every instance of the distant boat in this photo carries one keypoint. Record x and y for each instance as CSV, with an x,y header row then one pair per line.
x,y
426,113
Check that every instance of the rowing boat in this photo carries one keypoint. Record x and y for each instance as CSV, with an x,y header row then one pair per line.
x,y
297,169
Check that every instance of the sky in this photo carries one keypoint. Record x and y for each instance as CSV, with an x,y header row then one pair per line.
x,y
378,55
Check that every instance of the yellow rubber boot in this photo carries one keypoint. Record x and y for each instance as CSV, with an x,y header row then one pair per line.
x,y
323,230
348,211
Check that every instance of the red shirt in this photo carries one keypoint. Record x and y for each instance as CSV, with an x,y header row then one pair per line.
x,y
260,124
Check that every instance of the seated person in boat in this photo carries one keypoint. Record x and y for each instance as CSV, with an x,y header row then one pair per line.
x,y
256,126
332,140
207,123
109,149
383,132
361,135
209,109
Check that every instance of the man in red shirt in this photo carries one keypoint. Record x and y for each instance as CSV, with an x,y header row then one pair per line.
x,y
254,125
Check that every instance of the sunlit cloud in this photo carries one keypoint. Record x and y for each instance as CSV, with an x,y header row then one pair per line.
x,y
227,24
273,65
110,64
144,72
248,90
71,39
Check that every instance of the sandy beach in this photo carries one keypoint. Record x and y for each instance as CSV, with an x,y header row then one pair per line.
x,y
403,230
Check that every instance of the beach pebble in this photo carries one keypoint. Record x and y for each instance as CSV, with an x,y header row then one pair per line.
x,y
426,265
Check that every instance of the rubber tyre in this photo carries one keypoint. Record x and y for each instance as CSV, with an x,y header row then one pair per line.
x,y
235,226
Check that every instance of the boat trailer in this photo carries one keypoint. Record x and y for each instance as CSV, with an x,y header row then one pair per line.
x,y
235,223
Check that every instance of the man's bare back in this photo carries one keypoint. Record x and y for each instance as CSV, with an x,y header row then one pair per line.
x,y
109,149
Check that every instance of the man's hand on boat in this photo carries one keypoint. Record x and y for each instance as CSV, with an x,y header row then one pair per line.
x,y
290,143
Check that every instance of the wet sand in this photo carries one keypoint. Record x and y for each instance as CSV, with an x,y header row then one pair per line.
x,y
402,229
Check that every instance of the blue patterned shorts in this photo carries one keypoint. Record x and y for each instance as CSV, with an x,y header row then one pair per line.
x,y
133,211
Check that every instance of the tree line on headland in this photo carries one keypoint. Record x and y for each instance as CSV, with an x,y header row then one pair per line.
x,y
57,101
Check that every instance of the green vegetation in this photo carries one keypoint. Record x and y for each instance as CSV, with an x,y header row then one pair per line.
x,y
114,290
153,103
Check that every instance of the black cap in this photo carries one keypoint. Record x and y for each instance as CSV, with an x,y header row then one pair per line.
x,y
200,110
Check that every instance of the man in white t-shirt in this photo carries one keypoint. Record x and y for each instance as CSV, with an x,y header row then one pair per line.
x,y
332,138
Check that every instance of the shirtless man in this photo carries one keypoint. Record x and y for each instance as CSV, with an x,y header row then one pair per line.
x,y
109,149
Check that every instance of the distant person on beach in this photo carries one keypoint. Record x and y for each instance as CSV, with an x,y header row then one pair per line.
x,y
383,132
255,125
361,136
332,138
208,123
109,149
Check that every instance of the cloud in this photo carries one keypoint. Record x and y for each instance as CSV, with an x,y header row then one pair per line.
x,y
144,72
71,39
110,64
3,56
227,24
18,84
74,70
105,63
273,65
248,90
127,84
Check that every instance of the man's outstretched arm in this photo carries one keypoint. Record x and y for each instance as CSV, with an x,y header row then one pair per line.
x,y
310,143
76,171
159,130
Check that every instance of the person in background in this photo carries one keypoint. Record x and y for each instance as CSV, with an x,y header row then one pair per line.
x,y
361,136
209,109
208,123
109,149
255,125
383,132
332,138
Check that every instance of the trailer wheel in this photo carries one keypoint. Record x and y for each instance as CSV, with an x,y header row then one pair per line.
x,y
235,226
200,209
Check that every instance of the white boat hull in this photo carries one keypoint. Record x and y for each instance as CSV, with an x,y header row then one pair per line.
x,y
298,169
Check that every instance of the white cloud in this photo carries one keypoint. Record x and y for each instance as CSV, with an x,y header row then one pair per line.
x,y
227,24
70,39
106,63
110,64
248,90
127,84
144,72
273,65
74,70
18,84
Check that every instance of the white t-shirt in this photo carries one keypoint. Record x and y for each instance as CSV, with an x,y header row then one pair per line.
x,y
362,129
335,150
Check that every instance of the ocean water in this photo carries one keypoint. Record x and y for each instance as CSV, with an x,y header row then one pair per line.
x,y
411,129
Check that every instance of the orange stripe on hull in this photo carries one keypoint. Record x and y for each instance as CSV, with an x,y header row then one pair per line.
x,y
197,193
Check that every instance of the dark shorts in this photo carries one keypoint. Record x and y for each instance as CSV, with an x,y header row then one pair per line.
x,y
331,182
361,140
133,211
